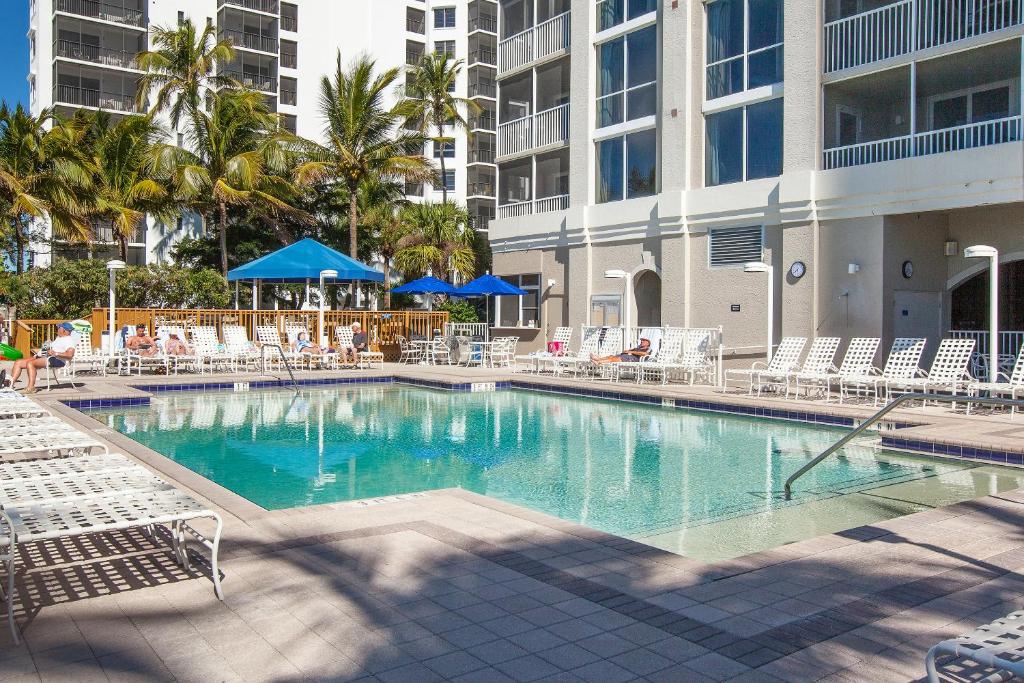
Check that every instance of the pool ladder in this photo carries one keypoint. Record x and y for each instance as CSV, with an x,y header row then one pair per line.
x,y
284,359
874,419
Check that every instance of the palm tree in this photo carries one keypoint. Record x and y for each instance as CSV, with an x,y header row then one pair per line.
x,y
43,175
237,159
438,238
432,102
181,68
364,140
125,157
388,228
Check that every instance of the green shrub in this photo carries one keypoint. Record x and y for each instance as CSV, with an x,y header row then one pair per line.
x,y
71,289
459,311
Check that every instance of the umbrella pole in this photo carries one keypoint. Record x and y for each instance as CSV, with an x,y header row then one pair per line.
x,y
487,320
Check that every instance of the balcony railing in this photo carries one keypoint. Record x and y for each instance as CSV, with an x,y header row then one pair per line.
x,y
289,96
268,6
107,11
94,54
483,23
251,41
289,60
549,127
86,97
930,142
103,231
289,23
416,25
543,205
483,89
538,42
909,25
413,57
259,82
482,122
481,156
483,55
480,189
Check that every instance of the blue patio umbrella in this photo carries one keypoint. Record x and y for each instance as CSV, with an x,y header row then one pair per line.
x,y
488,286
425,285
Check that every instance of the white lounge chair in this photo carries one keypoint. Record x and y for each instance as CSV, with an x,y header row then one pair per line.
x,y
785,360
72,510
33,425
998,645
947,373
664,348
268,335
409,354
19,407
532,361
590,340
1012,387
857,362
87,359
610,345
209,351
693,360
237,344
67,441
127,359
903,363
72,466
820,358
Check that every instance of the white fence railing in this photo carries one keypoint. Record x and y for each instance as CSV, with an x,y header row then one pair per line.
x,y
537,42
1010,343
549,127
923,144
472,330
908,25
543,205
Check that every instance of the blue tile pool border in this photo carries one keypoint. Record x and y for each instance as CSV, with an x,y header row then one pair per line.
x,y
994,456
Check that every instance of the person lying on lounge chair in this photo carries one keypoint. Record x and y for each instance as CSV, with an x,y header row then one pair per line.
x,y
303,345
174,346
631,356
142,343
54,354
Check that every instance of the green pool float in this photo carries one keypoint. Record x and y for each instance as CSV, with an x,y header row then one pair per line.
x,y
9,352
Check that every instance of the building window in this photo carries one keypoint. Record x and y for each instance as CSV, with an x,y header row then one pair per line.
x,y
614,12
518,311
289,90
289,123
735,63
445,47
743,143
627,77
289,54
289,17
181,139
731,247
627,166
448,149
181,17
444,17
449,181
606,310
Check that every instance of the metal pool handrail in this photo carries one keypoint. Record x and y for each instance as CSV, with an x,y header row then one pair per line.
x,y
284,359
863,426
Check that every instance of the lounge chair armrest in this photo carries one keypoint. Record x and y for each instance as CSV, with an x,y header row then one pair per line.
x,y
759,365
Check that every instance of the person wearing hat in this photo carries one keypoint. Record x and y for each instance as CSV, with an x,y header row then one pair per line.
x,y
54,354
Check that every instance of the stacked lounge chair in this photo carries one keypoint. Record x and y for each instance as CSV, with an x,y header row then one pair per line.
x,y
857,362
948,371
1012,387
903,363
785,360
820,357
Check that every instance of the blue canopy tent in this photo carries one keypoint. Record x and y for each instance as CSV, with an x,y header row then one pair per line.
x,y
302,262
488,286
425,285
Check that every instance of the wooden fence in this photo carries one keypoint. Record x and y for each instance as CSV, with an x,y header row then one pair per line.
x,y
382,327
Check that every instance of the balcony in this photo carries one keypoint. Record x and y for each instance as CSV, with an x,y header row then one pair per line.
x,y
481,156
543,129
289,23
268,6
483,88
539,42
95,54
483,55
483,121
485,23
484,188
416,24
103,232
249,41
910,25
527,208
254,81
117,13
414,189
87,97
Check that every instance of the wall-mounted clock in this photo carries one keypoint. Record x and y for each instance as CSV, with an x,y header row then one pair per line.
x,y
908,269
798,269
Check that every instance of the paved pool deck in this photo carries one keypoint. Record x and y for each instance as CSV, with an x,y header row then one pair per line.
x,y
450,585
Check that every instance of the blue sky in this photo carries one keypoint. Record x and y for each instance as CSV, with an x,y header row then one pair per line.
x,y
14,51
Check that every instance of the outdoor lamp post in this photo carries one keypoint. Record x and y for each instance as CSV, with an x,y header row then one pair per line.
x,y
992,254
624,276
324,274
762,267
112,268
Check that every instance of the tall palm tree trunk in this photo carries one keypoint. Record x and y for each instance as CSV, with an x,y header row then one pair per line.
x,y
387,284
353,219
19,240
122,246
223,211
439,122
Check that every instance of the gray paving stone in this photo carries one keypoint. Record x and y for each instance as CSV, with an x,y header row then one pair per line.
x,y
508,626
468,636
642,661
454,664
537,640
569,656
497,651
716,666
605,671
528,668
410,672
606,644
574,629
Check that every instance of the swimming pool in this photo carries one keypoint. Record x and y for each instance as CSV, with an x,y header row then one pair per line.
x,y
703,485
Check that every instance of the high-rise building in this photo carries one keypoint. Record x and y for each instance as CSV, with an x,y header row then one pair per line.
x,y
83,56
856,148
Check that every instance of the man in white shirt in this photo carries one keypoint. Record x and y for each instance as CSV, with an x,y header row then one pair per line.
x,y
56,354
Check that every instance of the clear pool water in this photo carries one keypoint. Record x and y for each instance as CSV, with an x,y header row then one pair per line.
x,y
704,485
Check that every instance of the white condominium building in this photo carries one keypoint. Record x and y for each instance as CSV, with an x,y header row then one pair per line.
x,y
83,56
856,147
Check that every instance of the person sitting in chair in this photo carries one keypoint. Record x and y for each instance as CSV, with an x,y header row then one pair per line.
x,y
142,343
303,345
631,356
54,354
351,354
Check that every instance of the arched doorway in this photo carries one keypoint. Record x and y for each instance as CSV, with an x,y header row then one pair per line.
x,y
648,299
969,300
